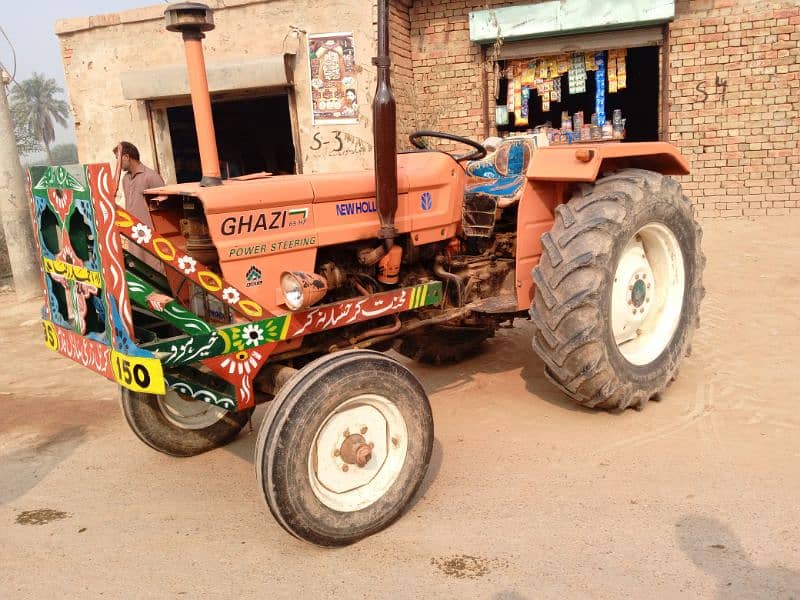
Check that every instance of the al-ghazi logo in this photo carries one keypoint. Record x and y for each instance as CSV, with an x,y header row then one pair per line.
x,y
265,221
357,207
426,201
253,277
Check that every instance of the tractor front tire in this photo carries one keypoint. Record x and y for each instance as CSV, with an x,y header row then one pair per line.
x,y
618,290
179,426
344,447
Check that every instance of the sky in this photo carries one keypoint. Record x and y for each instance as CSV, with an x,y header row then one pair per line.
x,y
30,26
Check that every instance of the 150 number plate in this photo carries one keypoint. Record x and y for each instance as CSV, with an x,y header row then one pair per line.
x,y
138,374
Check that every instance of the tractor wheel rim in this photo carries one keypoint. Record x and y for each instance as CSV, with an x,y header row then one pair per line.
x,y
189,414
647,295
358,453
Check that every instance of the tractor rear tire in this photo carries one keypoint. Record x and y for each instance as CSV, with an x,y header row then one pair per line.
x,y
618,290
443,344
179,427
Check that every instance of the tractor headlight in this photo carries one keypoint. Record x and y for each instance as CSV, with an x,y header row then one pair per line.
x,y
301,290
292,290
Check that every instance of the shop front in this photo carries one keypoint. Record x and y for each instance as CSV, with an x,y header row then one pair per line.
x,y
574,72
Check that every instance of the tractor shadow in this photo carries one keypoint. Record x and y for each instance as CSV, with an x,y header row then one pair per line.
x,y
434,466
508,354
25,467
715,549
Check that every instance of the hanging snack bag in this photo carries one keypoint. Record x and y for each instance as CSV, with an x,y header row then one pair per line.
x,y
612,75
622,79
555,94
600,95
577,121
577,75
544,71
552,68
525,95
564,63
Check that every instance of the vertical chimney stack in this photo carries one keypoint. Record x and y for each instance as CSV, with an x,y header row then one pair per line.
x,y
384,129
192,19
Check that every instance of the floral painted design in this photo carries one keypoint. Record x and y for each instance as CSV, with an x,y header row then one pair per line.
x,y
141,233
187,264
241,363
252,335
231,295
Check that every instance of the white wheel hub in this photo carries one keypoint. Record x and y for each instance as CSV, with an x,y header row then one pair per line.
x,y
647,295
358,453
189,414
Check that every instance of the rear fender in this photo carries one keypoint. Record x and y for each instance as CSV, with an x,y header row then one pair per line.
x,y
585,162
550,172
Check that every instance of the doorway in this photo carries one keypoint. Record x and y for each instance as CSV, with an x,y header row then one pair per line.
x,y
253,135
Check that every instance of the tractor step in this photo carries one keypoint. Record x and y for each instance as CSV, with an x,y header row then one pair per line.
x,y
496,305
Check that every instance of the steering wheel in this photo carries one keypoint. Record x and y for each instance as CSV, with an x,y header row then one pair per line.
x,y
478,152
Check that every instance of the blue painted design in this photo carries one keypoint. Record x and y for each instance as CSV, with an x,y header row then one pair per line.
x,y
85,209
97,337
122,341
516,158
483,170
426,201
504,187
55,314
486,168
100,308
41,204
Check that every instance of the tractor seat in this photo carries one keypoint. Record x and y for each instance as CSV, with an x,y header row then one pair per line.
x,y
501,174
496,182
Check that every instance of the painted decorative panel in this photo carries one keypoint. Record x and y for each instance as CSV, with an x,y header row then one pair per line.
x,y
87,313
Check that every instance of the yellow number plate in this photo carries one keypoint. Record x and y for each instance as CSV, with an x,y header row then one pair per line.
x,y
50,335
138,374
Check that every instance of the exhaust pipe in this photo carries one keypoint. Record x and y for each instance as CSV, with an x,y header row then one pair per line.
x,y
384,130
191,19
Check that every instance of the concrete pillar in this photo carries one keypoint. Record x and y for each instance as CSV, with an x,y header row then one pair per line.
x,y
16,213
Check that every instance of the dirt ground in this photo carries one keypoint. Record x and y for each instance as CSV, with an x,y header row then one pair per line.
x,y
526,497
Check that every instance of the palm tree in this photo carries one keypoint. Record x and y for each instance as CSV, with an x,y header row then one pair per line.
x,y
35,98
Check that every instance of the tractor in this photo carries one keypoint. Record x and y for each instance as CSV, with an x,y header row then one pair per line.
x,y
291,289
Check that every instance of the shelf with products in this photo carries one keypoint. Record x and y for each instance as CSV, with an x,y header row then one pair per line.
x,y
573,96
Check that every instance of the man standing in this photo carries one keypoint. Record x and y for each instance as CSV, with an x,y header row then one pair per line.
x,y
136,180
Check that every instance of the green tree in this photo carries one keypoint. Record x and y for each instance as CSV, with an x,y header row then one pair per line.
x,y
36,100
65,154
27,142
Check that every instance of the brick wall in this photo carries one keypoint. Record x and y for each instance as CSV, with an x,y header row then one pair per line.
x,y
741,137
743,147
447,67
402,69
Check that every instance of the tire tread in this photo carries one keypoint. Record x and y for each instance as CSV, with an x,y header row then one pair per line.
x,y
576,256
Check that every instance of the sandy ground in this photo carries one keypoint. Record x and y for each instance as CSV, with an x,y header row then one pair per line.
x,y
526,497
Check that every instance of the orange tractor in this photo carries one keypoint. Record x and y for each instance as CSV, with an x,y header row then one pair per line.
x,y
289,289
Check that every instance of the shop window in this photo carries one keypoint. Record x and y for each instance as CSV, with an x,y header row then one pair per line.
x,y
253,135
559,94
